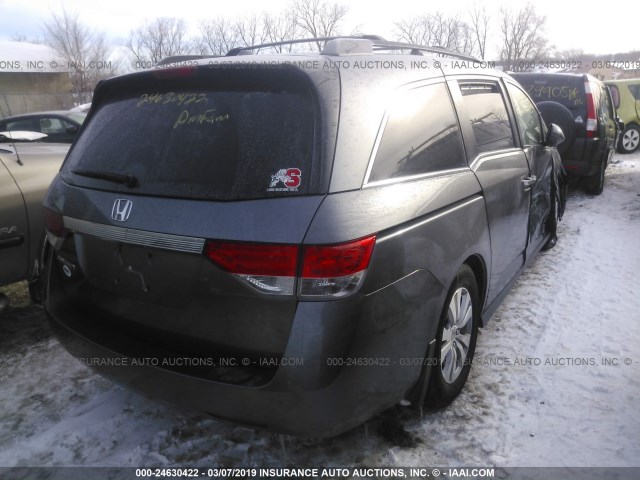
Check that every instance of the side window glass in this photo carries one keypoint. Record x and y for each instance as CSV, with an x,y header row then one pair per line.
x,y
608,107
527,117
421,136
615,94
601,106
488,115
52,125
635,91
21,125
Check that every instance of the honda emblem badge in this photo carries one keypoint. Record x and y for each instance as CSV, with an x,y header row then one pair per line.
x,y
121,210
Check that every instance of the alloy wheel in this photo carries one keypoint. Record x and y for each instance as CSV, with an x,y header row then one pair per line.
x,y
456,335
630,140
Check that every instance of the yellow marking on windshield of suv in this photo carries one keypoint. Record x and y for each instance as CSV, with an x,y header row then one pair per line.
x,y
178,99
185,118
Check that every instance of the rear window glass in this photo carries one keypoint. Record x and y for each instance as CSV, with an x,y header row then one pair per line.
x,y
563,89
198,143
77,116
18,125
635,91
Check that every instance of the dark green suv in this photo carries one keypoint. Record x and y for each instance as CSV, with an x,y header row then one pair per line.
x,y
582,107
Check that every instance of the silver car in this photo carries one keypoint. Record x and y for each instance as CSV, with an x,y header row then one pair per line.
x,y
27,167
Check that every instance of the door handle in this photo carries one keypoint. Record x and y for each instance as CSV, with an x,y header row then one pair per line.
x,y
528,181
11,242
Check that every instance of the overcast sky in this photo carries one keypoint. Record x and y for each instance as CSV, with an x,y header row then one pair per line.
x,y
595,27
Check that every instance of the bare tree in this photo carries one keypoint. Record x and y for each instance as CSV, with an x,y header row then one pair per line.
x,y
417,31
24,39
280,28
250,30
86,51
571,54
217,37
480,26
164,37
318,18
522,36
315,18
437,29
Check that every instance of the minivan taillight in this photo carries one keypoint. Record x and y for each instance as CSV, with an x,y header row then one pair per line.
x,y
54,223
326,270
267,268
592,121
335,270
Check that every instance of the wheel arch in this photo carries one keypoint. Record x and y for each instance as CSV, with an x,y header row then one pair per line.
x,y
417,393
478,266
37,272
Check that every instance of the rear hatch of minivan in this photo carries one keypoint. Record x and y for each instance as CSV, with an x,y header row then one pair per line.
x,y
179,213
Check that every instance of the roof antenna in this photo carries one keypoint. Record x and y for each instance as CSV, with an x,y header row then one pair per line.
x,y
12,141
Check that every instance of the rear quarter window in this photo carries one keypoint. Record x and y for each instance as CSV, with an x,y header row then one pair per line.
x,y
421,136
203,143
635,91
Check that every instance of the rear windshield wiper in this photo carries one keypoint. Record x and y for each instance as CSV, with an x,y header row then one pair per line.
x,y
126,180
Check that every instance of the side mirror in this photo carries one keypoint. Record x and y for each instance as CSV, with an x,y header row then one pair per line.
x,y
554,136
72,129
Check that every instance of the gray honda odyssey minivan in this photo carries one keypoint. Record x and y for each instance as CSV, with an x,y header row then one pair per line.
x,y
298,242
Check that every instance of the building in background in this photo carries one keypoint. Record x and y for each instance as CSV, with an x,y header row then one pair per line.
x,y
34,78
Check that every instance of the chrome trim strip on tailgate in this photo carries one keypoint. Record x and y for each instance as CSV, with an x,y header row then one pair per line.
x,y
132,236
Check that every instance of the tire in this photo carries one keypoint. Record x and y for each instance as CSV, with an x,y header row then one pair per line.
x,y
455,340
4,302
35,292
595,183
37,283
629,140
552,223
554,112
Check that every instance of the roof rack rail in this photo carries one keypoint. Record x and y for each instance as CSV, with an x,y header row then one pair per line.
x,y
418,49
239,50
377,43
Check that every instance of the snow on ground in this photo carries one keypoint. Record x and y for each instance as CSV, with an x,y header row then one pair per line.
x,y
538,395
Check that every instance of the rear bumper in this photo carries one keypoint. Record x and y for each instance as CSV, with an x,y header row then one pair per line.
x,y
584,157
331,382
